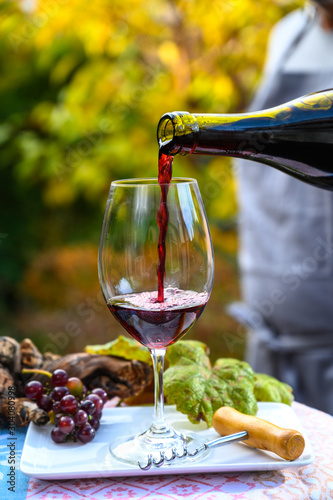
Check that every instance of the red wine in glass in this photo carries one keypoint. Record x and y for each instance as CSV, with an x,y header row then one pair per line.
x,y
155,324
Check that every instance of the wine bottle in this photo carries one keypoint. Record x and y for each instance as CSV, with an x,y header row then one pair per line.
x,y
295,137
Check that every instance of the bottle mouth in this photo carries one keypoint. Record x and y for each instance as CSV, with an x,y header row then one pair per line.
x,y
177,132
165,130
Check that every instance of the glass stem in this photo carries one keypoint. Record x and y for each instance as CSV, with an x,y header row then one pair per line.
x,y
159,422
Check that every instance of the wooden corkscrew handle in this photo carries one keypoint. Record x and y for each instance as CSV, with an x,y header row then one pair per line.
x,y
286,443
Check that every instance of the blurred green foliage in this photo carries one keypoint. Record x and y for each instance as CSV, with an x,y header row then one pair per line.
x,y
83,87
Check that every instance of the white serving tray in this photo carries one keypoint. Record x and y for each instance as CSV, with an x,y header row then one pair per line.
x,y
43,459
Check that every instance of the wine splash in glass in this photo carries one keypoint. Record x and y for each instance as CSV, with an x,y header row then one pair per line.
x,y
156,303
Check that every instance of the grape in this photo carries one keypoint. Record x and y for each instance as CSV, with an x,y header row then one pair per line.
x,y
94,422
58,436
66,424
88,406
98,402
75,386
101,393
86,433
57,417
45,403
69,404
56,407
59,392
59,377
34,390
80,418
75,415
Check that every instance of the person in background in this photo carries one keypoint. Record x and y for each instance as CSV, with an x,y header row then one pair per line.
x,y
286,228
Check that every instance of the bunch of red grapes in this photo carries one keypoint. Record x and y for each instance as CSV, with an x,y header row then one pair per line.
x,y
76,413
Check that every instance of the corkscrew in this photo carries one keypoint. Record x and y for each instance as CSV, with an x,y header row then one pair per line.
x,y
286,443
163,459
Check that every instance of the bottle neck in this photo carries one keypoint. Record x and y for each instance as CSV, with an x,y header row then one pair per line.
x,y
182,133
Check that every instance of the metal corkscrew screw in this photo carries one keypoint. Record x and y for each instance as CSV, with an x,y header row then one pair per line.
x,y
232,438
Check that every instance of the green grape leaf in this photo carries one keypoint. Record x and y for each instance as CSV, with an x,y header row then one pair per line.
x,y
268,388
122,347
199,390
188,352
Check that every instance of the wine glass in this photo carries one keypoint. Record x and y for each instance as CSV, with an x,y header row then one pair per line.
x,y
128,263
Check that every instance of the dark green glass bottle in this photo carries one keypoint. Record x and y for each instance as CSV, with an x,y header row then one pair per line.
x,y
296,137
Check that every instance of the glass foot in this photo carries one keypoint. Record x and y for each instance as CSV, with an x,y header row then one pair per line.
x,y
136,450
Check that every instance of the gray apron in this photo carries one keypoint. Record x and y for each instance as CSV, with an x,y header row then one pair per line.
x,y
286,260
